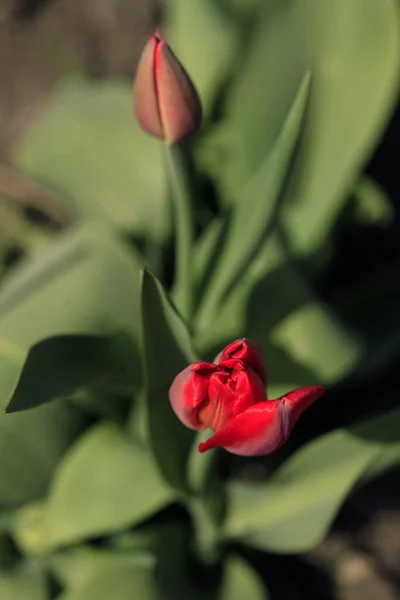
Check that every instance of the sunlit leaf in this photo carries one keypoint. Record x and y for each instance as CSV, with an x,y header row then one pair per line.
x,y
125,582
86,282
31,445
104,484
355,82
88,146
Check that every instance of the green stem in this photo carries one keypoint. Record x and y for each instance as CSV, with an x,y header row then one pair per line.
x,y
182,198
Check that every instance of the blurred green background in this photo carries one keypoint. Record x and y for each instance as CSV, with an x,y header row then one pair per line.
x,y
79,177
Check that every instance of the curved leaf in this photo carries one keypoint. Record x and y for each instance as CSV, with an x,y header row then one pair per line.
x,y
254,209
31,445
241,581
86,282
88,146
63,364
167,350
104,484
293,511
125,582
355,82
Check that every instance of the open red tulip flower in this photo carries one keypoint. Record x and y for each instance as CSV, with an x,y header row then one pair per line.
x,y
166,102
229,396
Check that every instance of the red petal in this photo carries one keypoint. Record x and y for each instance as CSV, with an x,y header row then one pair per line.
x,y
249,352
248,387
188,390
265,426
255,432
178,101
297,401
229,394
145,93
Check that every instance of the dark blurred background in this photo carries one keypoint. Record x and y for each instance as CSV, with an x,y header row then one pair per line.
x,y
39,40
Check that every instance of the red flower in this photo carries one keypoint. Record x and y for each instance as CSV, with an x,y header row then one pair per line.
x,y
166,103
229,397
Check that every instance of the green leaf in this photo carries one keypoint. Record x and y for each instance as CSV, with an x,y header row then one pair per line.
x,y
292,512
354,87
31,445
63,364
314,337
241,581
86,282
204,42
304,340
206,251
372,205
125,582
167,350
26,583
104,484
74,568
254,209
89,147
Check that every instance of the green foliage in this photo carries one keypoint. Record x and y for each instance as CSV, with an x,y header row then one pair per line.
x,y
125,581
240,581
31,445
88,147
88,283
293,510
166,351
103,484
27,582
103,491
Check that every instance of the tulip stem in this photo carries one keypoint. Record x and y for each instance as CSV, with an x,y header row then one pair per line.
x,y
182,199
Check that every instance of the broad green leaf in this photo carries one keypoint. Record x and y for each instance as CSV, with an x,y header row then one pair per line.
x,y
31,445
241,581
62,364
86,282
125,582
355,82
254,209
167,350
88,146
372,205
293,511
204,42
104,484
75,567
27,583
316,339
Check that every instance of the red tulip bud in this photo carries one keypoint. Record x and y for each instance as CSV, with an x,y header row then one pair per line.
x,y
166,103
229,397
